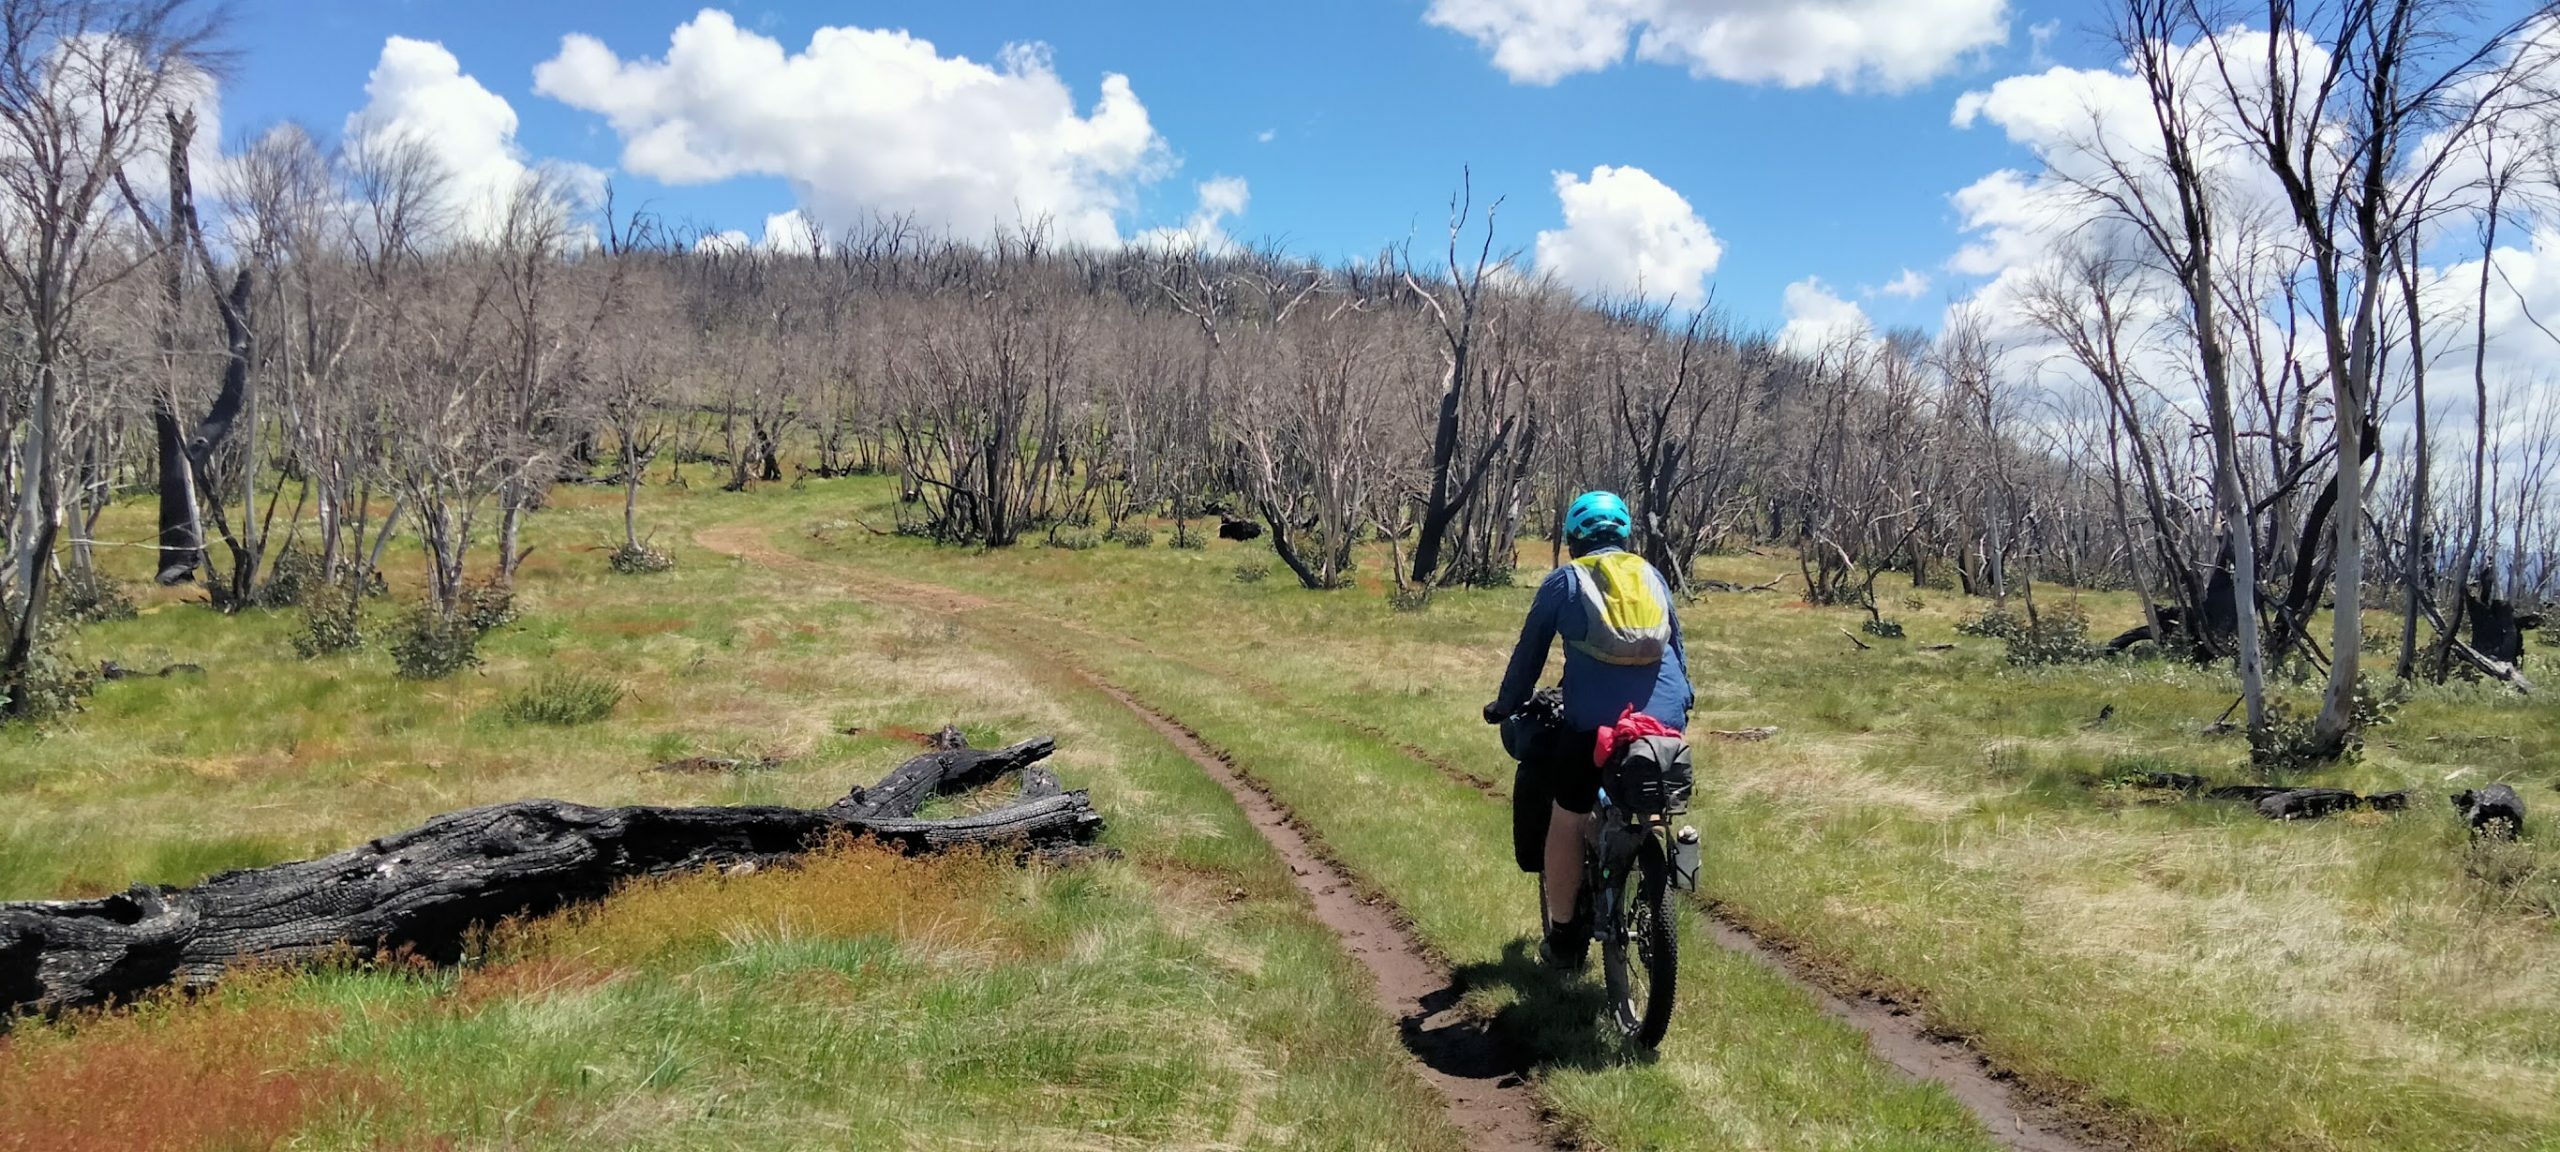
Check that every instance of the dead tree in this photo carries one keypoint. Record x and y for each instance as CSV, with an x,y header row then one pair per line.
x,y
422,892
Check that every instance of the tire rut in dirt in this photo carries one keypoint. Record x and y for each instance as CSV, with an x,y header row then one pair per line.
x,y
1902,1040
1483,1079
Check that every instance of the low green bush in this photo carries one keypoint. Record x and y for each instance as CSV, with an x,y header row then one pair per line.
x,y
641,560
330,623
2057,636
431,645
86,597
564,700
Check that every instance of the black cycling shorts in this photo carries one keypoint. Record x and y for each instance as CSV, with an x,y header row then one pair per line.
x,y
1571,777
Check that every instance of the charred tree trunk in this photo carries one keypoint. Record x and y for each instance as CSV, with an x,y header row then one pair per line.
x,y
181,531
421,892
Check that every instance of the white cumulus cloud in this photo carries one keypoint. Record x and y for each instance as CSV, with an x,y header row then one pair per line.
x,y
1910,285
1887,44
419,93
1206,231
793,232
1626,233
723,243
864,122
1818,319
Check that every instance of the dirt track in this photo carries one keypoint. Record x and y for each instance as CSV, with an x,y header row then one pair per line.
x,y
1482,1081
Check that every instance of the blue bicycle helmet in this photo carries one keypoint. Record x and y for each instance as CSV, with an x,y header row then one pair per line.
x,y
1598,518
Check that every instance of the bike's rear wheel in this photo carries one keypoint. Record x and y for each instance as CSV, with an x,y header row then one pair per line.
x,y
1640,955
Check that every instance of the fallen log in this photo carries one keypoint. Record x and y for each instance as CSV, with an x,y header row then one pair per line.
x,y
1746,736
2161,781
422,891
2308,803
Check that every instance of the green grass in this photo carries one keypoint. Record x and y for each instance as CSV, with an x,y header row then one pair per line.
x,y
564,700
1932,822
1938,824
1180,996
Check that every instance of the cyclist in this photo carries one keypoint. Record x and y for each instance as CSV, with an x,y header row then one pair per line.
x,y
1622,649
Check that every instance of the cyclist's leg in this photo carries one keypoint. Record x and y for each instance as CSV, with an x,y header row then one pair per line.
x,y
1576,783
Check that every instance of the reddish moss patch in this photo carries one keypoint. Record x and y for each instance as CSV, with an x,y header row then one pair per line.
x,y
218,1074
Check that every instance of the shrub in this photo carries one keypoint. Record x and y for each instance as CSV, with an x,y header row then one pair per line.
x,y
1253,572
291,577
1483,572
432,645
1410,598
1189,539
1884,629
1993,623
564,700
488,607
2057,636
2378,709
1132,536
87,597
55,682
2290,744
1074,540
330,624
641,560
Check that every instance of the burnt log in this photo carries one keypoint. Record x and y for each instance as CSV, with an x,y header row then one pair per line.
x,y
421,892
2248,793
903,792
2161,781
2494,812
2308,803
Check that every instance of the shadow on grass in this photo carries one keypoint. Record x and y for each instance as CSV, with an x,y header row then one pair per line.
x,y
1547,1021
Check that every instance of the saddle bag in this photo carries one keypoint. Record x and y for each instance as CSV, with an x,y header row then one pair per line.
x,y
1651,776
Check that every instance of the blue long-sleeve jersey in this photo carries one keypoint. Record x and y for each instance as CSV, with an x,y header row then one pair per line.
x,y
1595,692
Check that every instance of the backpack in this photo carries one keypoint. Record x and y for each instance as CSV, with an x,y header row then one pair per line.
x,y
1629,614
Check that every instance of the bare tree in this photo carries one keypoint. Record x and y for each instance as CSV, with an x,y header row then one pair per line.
x,y
81,83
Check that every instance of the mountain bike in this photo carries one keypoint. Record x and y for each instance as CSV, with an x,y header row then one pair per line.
x,y
1632,862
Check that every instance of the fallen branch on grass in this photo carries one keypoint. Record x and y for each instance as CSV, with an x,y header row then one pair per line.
x,y
421,891
1746,736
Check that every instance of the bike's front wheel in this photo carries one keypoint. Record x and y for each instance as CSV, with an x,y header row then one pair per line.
x,y
1640,955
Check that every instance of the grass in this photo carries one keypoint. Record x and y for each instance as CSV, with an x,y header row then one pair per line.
x,y
1181,996
1936,823
564,700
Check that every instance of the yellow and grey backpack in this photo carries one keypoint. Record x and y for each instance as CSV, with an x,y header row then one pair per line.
x,y
1628,607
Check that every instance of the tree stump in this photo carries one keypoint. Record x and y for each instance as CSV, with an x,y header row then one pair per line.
x,y
422,891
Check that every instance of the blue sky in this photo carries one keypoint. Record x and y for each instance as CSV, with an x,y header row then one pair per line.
x,y
1372,112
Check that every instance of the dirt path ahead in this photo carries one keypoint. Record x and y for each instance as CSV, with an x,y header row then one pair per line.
x,y
1479,1078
